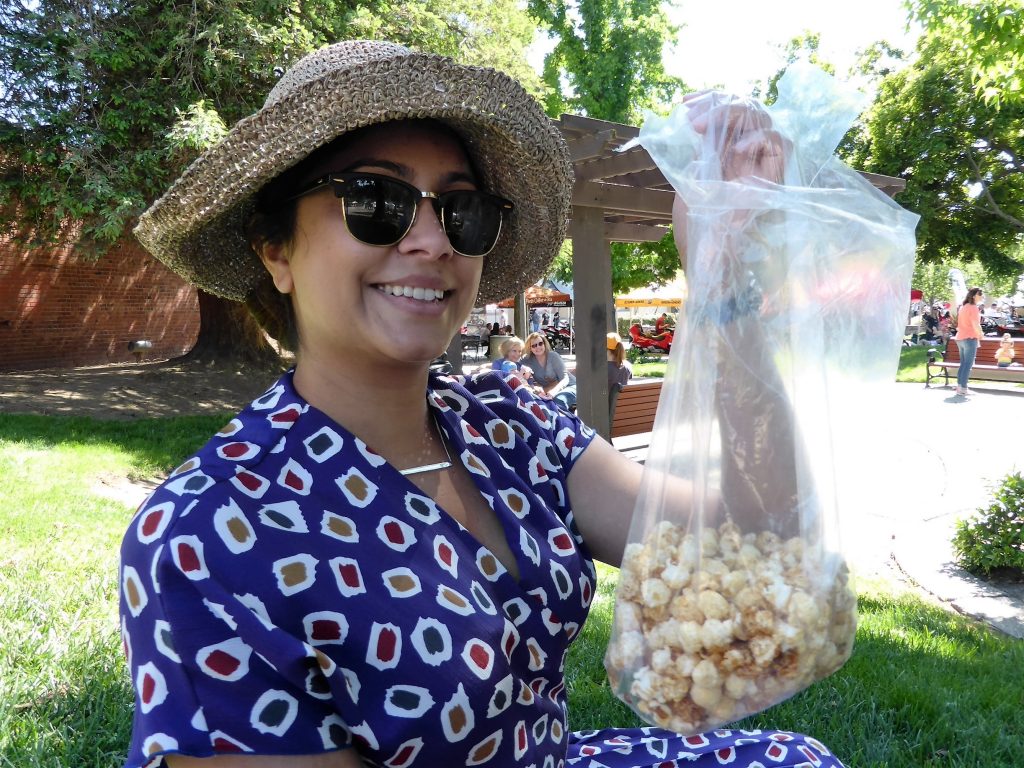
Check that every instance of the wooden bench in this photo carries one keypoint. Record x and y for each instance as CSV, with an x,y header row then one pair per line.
x,y
984,369
635,408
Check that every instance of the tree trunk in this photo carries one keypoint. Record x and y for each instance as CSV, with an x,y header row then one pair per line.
x,y
228,333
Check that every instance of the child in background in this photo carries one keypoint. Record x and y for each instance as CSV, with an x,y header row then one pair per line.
x,y
1004,354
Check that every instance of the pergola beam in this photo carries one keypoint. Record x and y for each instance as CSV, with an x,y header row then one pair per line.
x,y
618,164
621,199
589,147
621,232
578,123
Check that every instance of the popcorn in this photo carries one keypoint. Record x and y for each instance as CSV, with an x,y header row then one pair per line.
x,y
655,593
711,628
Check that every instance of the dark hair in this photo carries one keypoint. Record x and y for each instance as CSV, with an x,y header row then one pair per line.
x,y
969,298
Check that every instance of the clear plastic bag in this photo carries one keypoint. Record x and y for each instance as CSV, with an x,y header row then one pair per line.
x,y
734,593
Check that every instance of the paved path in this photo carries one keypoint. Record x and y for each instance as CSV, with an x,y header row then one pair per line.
x,y
940,454
959,448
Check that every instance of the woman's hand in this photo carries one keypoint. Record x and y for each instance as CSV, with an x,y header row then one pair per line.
x,y
740,133
559,385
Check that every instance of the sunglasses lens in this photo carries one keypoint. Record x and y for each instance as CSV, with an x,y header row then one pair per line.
x,y
472,221
378,211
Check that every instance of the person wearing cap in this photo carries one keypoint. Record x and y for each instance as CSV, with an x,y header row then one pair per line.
x,y
619,371
374,564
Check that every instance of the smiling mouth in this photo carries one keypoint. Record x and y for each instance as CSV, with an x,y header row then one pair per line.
x,y
409,292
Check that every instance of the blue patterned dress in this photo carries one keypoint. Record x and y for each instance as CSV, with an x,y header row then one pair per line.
x,y
286,591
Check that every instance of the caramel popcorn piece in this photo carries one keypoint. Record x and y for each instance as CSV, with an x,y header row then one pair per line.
x,y
715,626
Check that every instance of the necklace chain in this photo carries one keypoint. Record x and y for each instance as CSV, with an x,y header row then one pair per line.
x,y
435,465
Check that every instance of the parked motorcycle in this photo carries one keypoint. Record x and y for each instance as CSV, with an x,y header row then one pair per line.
x,y
559,336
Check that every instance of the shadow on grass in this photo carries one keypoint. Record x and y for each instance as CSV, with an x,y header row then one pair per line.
x,y
154,445
924,687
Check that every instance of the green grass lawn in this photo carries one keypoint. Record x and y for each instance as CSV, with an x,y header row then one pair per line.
x,y
924,687
912,363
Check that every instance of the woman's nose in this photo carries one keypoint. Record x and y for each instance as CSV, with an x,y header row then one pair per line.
x,y
427,235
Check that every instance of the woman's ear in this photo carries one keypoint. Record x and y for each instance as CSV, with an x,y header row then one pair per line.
x,y
275,258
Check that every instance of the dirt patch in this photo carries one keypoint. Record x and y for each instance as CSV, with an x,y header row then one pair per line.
x,y
130,492
135,390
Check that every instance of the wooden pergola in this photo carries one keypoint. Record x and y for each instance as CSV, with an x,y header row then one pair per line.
x,y
617,197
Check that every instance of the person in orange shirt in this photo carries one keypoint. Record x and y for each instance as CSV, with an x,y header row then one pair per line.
x,y
968,337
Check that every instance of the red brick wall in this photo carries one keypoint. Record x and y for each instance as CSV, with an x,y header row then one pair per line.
x,y
61,310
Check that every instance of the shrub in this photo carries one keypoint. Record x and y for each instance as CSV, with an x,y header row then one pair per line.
x,y
994,539
635,355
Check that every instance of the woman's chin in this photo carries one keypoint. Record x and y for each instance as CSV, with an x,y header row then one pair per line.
x,y
416,354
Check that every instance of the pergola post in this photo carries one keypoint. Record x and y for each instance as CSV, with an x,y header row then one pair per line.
x,y
592,284
520,317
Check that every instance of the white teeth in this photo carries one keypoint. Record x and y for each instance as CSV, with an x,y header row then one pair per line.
x,y
420,294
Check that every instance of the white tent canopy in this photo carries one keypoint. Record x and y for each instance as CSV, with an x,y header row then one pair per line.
x,y
669,296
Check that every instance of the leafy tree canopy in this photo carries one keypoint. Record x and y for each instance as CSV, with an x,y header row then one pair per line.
x,y
936,124
607,64
985,34
105,102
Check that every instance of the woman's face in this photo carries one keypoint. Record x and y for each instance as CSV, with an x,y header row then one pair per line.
x,y
538,348
389,304
515,352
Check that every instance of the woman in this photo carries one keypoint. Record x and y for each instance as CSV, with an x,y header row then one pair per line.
x,y
372,563
549,371
511,359
930,323
619,371
968,337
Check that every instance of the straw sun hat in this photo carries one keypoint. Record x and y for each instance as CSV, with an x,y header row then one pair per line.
x,y
196,228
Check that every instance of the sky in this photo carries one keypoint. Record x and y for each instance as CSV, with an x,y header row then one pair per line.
x,y
735,43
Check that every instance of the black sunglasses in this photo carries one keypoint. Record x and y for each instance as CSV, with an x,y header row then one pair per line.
x,y
380,210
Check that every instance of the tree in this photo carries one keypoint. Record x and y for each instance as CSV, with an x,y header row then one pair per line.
x,y
633,264
802,47
607,64
936,124
987,34
103,103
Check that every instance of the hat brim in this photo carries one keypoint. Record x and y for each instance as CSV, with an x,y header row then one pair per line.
x,y
197,227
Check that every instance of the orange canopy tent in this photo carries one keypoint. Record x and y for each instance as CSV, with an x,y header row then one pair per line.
x,y
537,296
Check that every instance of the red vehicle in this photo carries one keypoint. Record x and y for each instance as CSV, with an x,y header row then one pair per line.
x,y
641,340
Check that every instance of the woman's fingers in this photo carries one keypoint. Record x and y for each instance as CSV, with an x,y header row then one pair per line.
x,y
740,132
